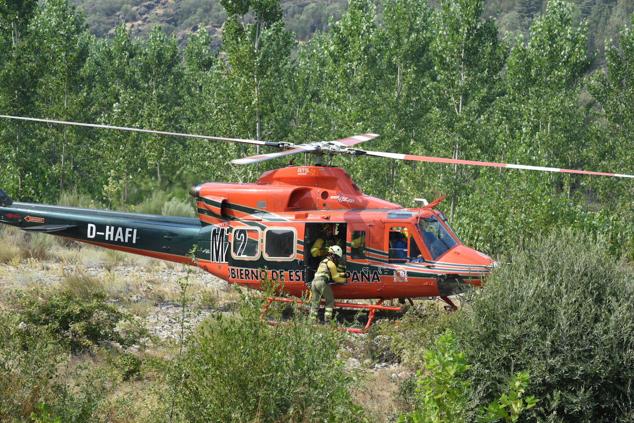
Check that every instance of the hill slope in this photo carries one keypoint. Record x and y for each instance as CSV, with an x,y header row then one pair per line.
x,y
183,16
305,17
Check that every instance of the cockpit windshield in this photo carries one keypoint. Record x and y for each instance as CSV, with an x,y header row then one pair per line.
x,y
435,236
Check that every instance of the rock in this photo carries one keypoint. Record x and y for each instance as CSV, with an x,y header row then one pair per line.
x,y
381,349
353,363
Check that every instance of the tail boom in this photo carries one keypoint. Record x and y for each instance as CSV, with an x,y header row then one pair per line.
x,y
168,238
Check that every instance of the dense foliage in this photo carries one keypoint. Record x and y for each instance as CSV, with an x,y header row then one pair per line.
x,y
242,369
79,315
563,311
443,391
40,380
431,80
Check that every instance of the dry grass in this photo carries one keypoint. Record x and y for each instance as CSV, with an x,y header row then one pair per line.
x,y
10,245
378,392
9,253
131,402
82,285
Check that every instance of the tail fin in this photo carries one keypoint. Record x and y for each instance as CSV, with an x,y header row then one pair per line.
x,y
5,200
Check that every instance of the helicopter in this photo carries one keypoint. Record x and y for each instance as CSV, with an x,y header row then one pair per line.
x,y
249,233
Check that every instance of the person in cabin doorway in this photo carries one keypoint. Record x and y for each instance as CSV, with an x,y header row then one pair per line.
x,y
326,239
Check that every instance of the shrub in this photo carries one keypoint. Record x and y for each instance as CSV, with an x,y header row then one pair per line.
x,y
129,366
176,207
9,253
160,202
37,382
16,245
443,392
152,204
79,315
241,369
28,362
76,199
563,310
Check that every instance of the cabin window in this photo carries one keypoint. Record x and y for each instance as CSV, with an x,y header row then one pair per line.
x,y
357,245
398,244
246,244
279,244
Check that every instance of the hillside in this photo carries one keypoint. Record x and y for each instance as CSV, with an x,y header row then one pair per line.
x,y
181,17
303,17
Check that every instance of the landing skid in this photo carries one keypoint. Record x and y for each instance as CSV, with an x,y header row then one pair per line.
x,y
450,304
371,308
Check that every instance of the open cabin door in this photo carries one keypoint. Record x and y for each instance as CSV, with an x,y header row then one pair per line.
x,y
331,233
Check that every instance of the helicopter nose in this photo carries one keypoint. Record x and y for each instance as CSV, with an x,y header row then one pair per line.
x,y
468,256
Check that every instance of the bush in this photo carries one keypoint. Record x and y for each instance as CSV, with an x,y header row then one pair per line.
x,y
28,362
562,310
242,369
443,391
160,202
79,315
152,204
176,207
9,253
37,382
75,199
16,245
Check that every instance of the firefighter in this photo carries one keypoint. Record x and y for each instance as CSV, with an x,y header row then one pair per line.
x,y
330,271
327,239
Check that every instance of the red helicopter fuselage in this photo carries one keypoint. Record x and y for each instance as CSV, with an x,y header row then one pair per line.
x,y
265,230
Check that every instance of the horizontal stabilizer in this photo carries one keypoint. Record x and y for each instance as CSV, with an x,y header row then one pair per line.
x,y
49,229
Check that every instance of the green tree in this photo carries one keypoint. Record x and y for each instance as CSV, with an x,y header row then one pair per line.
x,y
58,61
537,121
160,89
613,130
257,66
111,88
467,57
17,93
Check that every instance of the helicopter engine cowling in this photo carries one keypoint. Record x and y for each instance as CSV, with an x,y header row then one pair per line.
x,y
298,188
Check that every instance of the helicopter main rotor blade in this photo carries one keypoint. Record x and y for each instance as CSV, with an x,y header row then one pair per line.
x,y
270,156
429,159
151,131
356,139
337,146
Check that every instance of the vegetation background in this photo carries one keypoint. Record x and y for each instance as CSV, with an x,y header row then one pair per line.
x,y
544,83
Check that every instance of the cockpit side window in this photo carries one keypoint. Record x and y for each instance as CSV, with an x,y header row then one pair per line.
x,y
414,251
398,244
436,237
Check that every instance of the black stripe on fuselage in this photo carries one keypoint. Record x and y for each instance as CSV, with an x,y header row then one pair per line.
x,y
244,209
